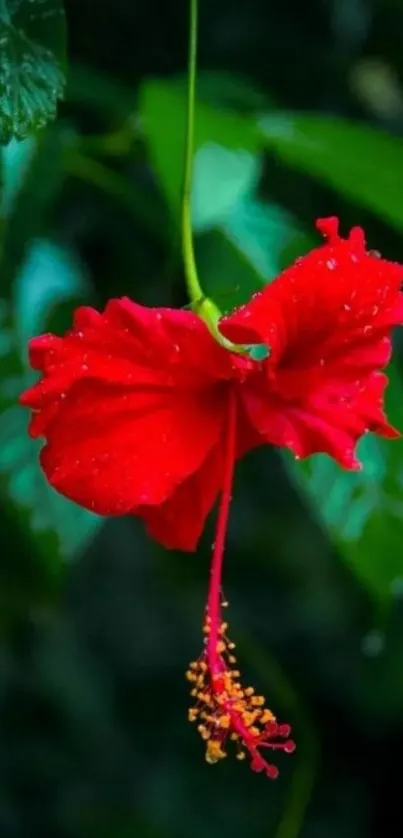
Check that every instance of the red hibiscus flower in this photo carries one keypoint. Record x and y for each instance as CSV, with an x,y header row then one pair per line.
x,y
145,413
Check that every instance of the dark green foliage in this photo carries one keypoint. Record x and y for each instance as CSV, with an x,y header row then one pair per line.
x,y
32,55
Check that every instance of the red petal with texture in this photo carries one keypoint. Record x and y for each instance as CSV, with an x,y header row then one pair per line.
x,y
129,407
190,503
327,321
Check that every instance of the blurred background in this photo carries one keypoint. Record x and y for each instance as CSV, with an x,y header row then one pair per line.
x,y
300,115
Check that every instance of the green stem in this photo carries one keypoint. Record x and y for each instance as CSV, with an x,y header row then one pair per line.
x,y
192,280
207,310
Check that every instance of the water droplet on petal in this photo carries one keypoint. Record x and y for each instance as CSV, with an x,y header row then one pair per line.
x,y
331,264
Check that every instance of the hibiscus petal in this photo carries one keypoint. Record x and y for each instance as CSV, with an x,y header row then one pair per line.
x,y
124,406
331,421
327,320
178,523
337,293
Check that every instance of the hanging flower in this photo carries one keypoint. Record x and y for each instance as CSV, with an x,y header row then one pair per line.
x,y
145,413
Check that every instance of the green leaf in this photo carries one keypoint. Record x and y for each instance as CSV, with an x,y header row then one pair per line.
x,y
363,511
363,163
32,54
221,178
34,174
162,108
240,238
49,275
243,236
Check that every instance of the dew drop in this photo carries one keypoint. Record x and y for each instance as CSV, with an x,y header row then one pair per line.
x,y
331,264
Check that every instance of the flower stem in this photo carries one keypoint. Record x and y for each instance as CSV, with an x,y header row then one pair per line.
x,y
192,279
205,307
214,596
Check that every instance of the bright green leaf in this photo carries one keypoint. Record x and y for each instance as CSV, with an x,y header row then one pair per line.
x,y
243,236
16,157
32,53
162,108
363,163
221,178
34,173
50,275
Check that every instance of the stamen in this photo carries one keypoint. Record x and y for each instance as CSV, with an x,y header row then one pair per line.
x,y
225,708
229,711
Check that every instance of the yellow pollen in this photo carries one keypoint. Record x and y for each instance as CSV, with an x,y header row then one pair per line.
x,y
267,716
214,751
222,706
257,701
248,718
204,732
